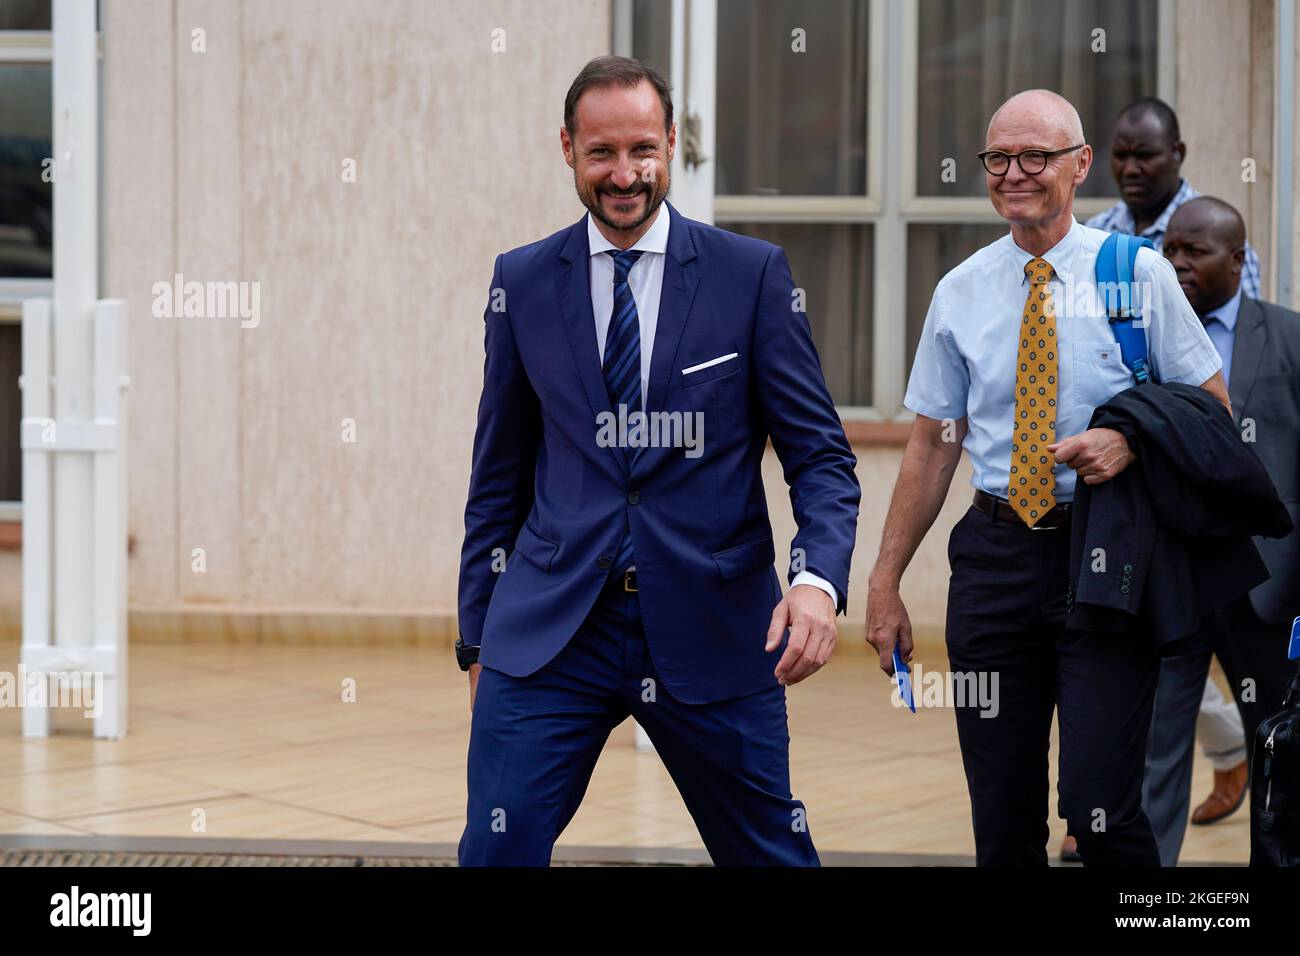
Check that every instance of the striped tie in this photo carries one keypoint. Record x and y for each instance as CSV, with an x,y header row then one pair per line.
x,y
622,365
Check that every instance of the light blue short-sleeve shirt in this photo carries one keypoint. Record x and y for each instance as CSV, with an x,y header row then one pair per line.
x,y
966,360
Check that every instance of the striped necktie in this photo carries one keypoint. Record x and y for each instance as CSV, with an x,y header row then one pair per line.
x,y
622,365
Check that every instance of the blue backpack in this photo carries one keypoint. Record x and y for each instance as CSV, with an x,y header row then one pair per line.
x,y
1115,271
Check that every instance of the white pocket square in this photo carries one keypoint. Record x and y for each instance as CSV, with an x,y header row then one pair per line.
x,y
710,363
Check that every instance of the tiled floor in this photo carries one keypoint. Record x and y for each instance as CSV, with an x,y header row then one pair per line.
x,y
239,741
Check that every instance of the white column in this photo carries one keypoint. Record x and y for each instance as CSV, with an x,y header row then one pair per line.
x,y
695,29
75,291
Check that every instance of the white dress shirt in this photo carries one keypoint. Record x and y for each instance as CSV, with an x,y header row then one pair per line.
x,y
646,279
966,360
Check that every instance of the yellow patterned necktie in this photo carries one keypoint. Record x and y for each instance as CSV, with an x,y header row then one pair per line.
x,y
1033,486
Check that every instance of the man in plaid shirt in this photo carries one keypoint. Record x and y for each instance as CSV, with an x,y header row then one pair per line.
x,y
1146,156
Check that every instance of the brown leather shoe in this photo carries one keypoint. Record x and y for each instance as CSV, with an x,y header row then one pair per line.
x,y
1070,850
1228,794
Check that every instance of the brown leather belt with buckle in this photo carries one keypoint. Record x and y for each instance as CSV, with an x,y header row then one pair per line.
x,y
629,580
999,509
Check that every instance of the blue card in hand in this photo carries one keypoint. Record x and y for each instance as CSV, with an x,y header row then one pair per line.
x,y
1293,651
904,678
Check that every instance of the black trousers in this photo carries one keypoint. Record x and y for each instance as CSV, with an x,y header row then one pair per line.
x,y
1006,626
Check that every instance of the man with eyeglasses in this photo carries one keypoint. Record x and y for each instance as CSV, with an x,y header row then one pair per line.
x,y
1011,363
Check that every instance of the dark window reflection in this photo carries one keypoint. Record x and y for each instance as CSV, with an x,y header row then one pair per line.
x,y
25,14
833,264
792,98
11,462
973,54
26,212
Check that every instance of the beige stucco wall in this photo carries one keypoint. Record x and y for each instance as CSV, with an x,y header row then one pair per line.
x,y
1225,103
227,165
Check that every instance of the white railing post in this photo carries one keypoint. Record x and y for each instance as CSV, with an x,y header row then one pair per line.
x,y
35,385
109,603
73,428
100,659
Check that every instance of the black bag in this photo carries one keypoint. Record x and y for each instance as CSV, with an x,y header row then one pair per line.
x,y
1275,786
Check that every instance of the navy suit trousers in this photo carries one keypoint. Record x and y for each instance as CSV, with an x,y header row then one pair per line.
x,y
534,742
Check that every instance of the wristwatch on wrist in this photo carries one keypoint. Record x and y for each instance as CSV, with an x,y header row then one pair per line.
x,y
465,654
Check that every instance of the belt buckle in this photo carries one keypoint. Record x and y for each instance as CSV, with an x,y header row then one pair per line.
x,y
1050,527
629,581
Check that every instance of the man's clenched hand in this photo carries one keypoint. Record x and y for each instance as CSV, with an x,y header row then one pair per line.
x,y
809,612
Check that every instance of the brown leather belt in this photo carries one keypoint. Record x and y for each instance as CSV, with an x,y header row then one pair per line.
x,y
999,509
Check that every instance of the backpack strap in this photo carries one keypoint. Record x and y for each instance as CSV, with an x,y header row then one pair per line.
x,y
1115,264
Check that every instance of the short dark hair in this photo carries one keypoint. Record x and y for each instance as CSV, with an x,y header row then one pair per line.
x,y
610,70
1164,114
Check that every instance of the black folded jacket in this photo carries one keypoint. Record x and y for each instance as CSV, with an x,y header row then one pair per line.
x,y
1167,541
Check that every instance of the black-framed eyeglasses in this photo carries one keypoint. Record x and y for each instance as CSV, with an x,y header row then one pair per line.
x,y
1032,161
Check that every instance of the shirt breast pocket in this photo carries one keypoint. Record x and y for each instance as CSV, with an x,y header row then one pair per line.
x,y
1099,372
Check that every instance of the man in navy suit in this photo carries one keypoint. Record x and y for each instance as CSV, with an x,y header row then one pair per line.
x,y
618,558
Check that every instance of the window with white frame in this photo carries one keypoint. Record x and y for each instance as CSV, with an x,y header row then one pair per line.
x,y
847,132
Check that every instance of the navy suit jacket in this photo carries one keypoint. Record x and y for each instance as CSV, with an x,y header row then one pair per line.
x,y
1174,528
544,492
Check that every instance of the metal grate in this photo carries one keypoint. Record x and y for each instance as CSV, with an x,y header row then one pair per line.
x,y
101,858
105,858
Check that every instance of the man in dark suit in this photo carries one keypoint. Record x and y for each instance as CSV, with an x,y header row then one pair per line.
x,y
637,364
1260,347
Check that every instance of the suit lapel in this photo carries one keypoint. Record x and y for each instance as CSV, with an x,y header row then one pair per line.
x,y
1248,343
681,279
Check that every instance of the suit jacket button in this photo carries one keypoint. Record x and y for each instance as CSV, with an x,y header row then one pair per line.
x,y
633,498
605,562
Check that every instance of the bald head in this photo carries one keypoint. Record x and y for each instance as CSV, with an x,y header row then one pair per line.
x,y
1206,244
1211,217
1038,204
1051,114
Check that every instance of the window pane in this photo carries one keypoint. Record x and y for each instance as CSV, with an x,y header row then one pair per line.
x,y
933,250
973,54
26,221
11,458
792,123
25,15
832,263
652,31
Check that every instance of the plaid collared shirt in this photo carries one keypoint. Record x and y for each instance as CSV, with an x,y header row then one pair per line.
x,y
1118,219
